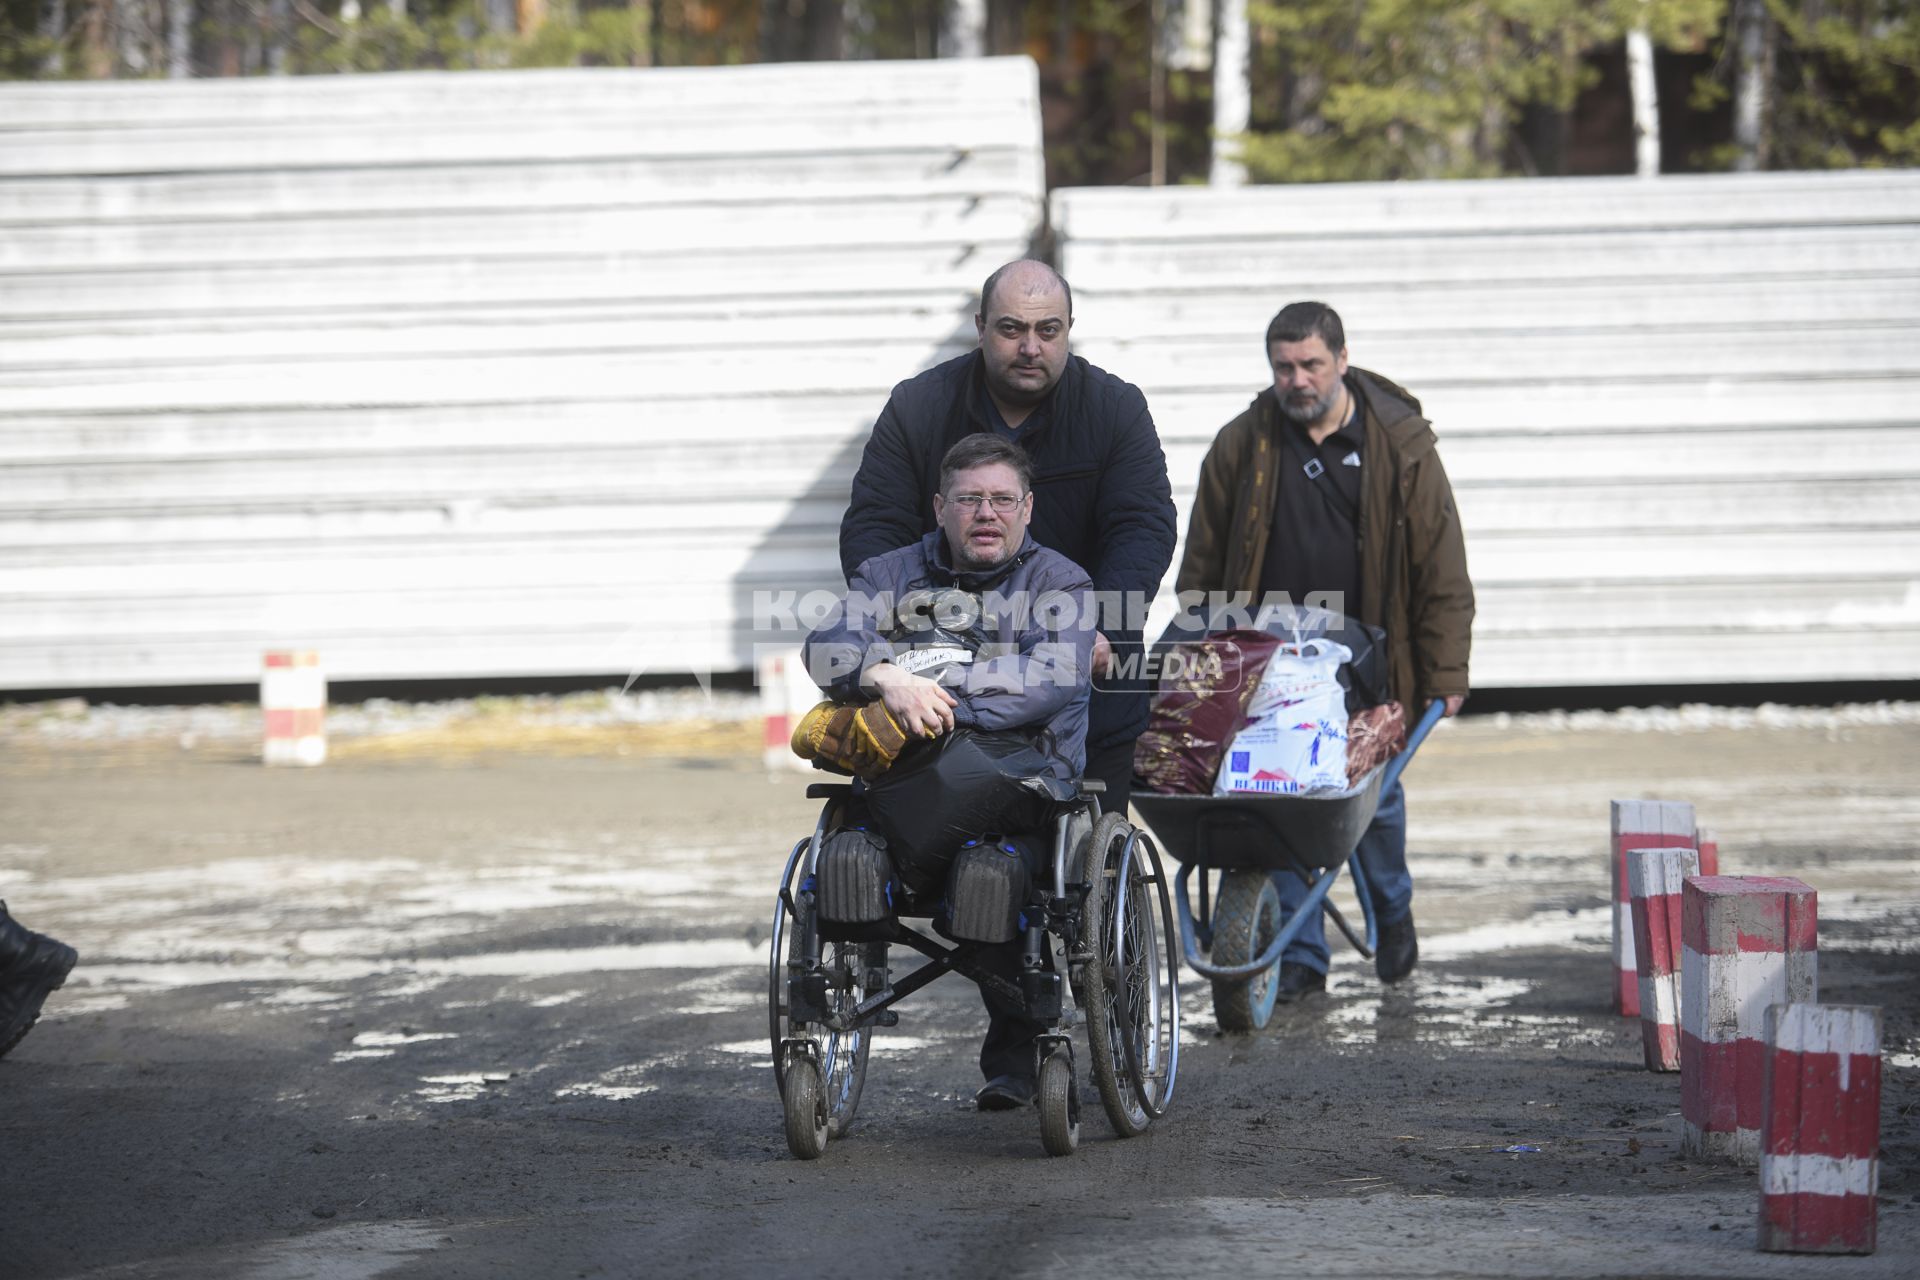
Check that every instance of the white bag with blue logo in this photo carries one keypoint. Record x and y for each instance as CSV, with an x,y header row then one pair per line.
x,y
1295,736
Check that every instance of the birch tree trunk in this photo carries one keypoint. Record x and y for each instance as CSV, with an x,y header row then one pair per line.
x,y
1232,95
1646,104
1750,85
1193,49
279,28
854,22
53,29
179,39
963,34
132,29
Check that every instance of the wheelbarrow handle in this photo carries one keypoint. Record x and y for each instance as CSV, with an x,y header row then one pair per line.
x,y
1436,710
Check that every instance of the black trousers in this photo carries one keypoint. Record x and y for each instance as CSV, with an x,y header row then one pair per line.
x,y
1008,1048
1113,765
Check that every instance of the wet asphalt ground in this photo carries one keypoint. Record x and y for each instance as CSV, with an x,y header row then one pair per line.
x,y
444,1012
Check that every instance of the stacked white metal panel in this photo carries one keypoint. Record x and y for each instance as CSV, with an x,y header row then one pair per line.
x,y
452,375
1682,417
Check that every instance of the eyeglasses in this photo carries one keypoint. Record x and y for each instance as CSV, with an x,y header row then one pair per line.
x,y
1001,502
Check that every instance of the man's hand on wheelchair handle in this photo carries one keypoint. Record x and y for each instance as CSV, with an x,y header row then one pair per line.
x,y
921,706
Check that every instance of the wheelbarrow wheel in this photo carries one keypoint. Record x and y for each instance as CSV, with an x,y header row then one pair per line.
x,y
1246,919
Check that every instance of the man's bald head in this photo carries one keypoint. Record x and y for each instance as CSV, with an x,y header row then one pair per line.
x,y
1025,313
1024,278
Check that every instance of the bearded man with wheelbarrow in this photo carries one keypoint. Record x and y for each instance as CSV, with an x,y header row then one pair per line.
x,y
1330,484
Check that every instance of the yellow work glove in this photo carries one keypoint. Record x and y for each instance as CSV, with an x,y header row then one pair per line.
x,y
857,741
879,735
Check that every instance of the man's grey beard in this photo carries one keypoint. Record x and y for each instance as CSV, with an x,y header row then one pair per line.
x,y
967,562
1306,415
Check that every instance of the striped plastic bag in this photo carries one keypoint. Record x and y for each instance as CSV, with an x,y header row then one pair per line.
x,y
1295,735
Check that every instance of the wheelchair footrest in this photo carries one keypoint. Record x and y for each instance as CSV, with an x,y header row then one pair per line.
x,y
807,997
1042,990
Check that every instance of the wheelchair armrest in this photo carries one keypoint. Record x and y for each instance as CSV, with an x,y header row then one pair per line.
x,y
1058,790
1067,793
828,790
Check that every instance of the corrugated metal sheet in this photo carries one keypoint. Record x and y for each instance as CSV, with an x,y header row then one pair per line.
x,y
470,374
1682,417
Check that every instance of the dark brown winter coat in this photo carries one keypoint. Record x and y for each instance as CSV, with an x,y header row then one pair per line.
x,y
1413,557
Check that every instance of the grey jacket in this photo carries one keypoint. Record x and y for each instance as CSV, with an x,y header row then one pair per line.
x,y
1035,669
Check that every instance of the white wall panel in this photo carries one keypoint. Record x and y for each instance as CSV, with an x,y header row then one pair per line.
x,y
1682,417
472,374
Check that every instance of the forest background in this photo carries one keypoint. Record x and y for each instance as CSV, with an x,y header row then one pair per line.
x,y
1160,91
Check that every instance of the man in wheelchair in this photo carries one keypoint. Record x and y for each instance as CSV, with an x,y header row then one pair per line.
x,y
959,669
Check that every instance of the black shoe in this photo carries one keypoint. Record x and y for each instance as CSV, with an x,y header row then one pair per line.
x,y
31,966
1297,982
1005,1093
1398,951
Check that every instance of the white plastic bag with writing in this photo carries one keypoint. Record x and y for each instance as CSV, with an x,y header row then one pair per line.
x,y
1295,738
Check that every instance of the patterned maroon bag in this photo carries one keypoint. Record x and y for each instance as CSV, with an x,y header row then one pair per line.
x,y
1374,736
1204,688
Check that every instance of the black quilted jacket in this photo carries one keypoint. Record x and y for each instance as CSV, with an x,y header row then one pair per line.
x,y
1101,496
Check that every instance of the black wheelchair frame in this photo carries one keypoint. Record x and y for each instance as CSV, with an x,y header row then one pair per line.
x,y
1106,916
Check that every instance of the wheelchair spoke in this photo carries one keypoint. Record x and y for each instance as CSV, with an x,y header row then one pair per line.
x,y
843,1056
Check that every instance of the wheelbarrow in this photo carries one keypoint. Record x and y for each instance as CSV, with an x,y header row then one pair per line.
x,y
1244,838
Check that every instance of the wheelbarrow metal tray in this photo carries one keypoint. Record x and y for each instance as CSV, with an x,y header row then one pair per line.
x,y
1252,831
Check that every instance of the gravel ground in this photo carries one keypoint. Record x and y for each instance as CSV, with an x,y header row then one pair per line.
x,y
475,1006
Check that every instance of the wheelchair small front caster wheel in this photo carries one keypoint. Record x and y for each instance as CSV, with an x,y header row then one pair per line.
x,y
1059,1112
806,1107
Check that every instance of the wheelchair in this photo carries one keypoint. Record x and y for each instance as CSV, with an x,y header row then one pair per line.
x,y
1105,920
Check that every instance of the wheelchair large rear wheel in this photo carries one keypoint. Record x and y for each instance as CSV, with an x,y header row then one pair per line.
x,y
1132,977
1246,918
854,970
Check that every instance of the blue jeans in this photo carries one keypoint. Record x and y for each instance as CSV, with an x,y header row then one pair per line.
x,y
1383,858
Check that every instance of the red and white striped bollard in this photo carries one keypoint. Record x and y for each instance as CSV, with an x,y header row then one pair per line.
x,y
1748,942
1638,824
1655,877
786,694
293,702
1820,1129
1709,852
